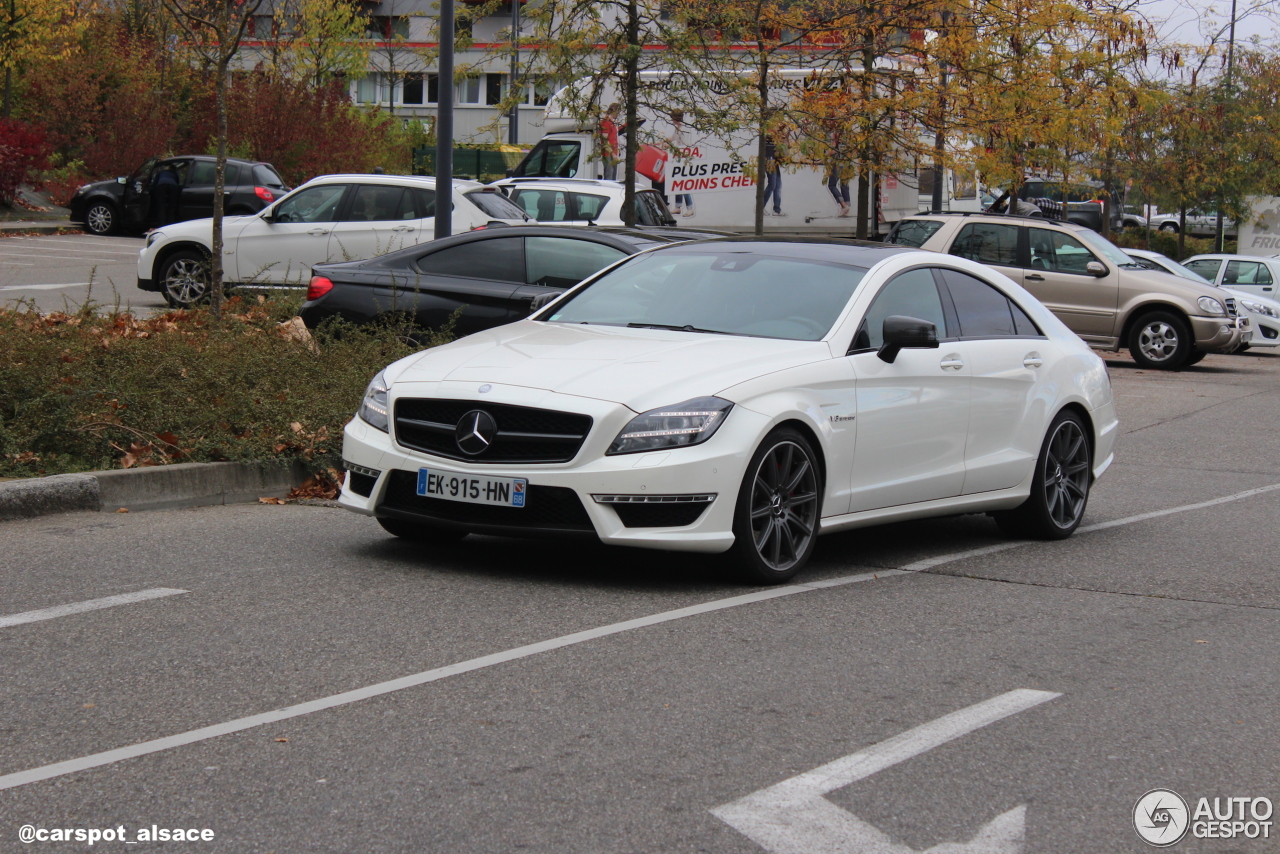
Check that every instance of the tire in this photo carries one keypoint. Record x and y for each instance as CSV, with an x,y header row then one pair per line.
x,y
779,506
184,278
1060,487
1197,356
420,533
1170,228
1160,340
101,218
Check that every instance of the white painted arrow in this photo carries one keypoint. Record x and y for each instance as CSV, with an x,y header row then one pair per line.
x,y
793,817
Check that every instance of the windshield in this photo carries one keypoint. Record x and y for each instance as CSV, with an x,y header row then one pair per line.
x,y
1109,250
728,292
1165,264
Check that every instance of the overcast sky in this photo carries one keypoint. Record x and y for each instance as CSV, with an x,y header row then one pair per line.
x,y
1197,21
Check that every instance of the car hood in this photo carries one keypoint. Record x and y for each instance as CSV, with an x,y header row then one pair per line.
x,y
639,368
231,226
1171,283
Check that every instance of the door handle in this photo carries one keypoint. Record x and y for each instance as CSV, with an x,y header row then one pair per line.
x,y
1035,277
952,361
318,231
1032,360
402,228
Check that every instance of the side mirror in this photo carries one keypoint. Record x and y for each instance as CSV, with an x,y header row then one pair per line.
x,y
541,301
901,331
269,214
1097,269
122,180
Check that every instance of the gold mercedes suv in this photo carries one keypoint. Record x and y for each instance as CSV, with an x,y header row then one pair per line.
x,y
1092,286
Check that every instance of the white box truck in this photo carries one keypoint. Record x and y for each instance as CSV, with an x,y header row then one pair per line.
x,y
709,184
1260,230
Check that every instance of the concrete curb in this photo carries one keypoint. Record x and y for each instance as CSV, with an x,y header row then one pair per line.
x,y
151,488
56,227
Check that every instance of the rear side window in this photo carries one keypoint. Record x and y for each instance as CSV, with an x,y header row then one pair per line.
x,y
495,204
1207,267
544,205
1246,273
375,203
559,262
912,294
267,177
988,243
983,310
913,232
202,173
651,209
497,259
232,178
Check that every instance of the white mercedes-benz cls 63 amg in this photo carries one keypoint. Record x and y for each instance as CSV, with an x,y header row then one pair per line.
x,y
743,395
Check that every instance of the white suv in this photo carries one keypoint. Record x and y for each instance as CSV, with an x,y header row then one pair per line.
x,y
583,201
330,218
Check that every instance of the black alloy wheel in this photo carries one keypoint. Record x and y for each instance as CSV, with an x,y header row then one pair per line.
x,y
184,278
101,218
776,519
1060,487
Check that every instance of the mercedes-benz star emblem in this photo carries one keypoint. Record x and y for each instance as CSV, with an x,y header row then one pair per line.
x,y
475,432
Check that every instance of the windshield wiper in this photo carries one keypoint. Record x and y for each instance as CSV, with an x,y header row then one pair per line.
x,y
685,328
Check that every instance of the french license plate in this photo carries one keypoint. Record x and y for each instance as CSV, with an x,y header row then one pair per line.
x,y
452,486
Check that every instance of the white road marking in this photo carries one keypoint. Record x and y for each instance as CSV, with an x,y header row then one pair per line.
x,y
43,287
83,763
52,256
793,817
90,605
92,250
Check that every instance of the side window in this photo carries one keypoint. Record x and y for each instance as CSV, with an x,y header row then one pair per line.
x,y
1058,252
499,259
232,178
543,205
202,173
914,232
983,310
913,294
1246,273
1207,267
423,203
314,204
988,243
559,262
375,203
589,207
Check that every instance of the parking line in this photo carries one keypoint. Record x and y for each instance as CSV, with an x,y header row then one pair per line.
x,y
43,287
96,760
90,605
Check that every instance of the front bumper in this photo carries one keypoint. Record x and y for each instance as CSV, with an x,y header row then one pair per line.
x,y
1219,334
714,468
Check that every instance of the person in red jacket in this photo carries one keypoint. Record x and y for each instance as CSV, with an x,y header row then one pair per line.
x,y
609,142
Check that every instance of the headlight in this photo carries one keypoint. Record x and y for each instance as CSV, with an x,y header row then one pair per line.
x,y
373,409
153,237
1209,305
1258,308
688,423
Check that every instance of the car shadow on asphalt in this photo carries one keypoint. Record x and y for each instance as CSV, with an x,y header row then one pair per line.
x,y
579,563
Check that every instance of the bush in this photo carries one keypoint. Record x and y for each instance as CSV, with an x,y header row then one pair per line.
x,y
1165,243
23,152
94,390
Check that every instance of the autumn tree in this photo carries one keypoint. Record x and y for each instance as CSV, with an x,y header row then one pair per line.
x,y
214,30
34,32
316,41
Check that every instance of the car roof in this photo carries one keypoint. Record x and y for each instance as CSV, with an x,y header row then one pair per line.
x,y
863,253
568,182
371,178
999,217
1233,256
208,158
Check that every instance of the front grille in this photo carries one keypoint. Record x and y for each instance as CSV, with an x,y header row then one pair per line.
x,y
547,508
1231,307
525,434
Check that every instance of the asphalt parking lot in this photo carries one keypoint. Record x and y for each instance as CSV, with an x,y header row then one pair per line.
x,y
60,271
292,679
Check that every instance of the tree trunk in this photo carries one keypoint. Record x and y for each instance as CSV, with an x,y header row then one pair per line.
x,y
631,92
219,181
1182,234
864,201
762,159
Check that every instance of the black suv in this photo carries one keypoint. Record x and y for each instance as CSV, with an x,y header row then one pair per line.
x,y
140,201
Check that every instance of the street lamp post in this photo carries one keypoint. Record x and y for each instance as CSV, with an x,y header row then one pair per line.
x,y
513,127
444,125
1231,61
